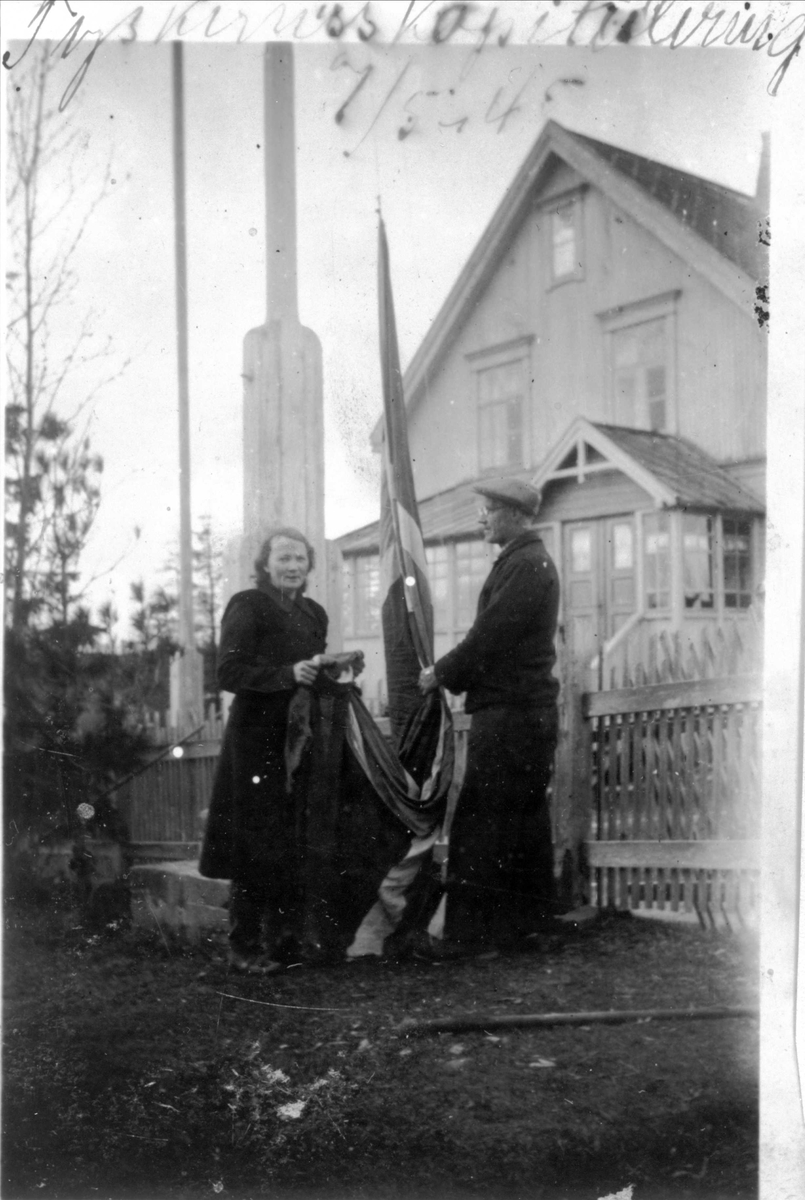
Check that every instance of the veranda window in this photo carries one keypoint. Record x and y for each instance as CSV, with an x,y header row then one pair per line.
x,y
718,570
657,560
361,595
737,562
456,572
439,578
472,568
697,561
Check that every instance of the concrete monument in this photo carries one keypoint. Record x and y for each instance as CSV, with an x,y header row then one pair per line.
x,y
283,417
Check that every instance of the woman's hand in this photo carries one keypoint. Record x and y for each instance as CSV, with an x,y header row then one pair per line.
x,y
358,663
306,670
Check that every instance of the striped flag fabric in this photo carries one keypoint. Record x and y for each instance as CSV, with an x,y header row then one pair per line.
x,y
422,729
407,609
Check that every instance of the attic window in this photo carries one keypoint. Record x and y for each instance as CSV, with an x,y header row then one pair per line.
x,y
566,254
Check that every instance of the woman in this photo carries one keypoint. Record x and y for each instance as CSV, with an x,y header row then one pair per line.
x,y
275,823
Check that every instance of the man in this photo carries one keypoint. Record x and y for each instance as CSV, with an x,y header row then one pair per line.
x,y
500,881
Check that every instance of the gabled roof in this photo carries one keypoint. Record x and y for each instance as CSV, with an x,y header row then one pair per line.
x,y
672,471
727,219
710,226
693,478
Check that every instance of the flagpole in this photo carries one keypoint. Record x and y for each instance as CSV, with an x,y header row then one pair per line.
x,y
189,701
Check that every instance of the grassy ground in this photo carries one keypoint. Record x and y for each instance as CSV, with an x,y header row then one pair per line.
x,y
136,1068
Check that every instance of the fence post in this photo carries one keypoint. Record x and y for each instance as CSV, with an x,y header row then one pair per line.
x,y
573,802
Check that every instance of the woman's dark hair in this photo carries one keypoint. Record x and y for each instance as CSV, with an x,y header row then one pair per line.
x,y
260,573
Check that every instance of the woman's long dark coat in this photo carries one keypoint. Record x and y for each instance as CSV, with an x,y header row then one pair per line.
x,y
318,843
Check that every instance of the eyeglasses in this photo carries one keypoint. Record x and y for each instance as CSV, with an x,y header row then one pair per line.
x,y
487,510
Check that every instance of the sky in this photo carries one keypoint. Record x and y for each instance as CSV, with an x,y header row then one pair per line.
x,y
438,153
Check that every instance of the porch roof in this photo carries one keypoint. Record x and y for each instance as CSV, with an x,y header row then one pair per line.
x,y
673,471
449,514
693,478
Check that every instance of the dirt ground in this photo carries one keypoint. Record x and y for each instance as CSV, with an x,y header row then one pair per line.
x,y
138,1068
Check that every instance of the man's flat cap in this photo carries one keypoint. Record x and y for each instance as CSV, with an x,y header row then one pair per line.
x,y
515,492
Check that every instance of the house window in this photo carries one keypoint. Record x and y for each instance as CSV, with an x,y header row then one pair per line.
x,y
361,595
565,242
472,568
581,551
456,572
640,375
622,546
657,560
697,561
737,562
500,415
439,579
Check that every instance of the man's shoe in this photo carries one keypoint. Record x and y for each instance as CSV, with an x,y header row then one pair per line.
x,y
252,964
440,950
315,954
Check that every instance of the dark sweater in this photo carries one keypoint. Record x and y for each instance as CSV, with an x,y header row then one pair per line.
x,y
263,634
508,655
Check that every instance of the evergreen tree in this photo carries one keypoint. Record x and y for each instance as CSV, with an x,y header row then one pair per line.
x,y
55,369
208,586
67,735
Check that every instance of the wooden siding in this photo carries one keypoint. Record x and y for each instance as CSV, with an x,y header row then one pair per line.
x,y
606,494
721,360
720,353
751,475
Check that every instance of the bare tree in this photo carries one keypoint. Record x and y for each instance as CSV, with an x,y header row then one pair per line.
x,y
55,370
208,587
208,582
207,592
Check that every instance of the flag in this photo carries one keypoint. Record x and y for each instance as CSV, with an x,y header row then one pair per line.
x,y
407,609
422,729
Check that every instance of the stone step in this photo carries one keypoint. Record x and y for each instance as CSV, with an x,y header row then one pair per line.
x,y
172,895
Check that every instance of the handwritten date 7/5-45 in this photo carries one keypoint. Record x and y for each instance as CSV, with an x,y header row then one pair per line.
x,y
386,88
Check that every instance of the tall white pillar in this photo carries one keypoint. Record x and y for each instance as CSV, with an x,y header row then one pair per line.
x,y
283,417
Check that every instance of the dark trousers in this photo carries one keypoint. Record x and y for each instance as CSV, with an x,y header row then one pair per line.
x,y
257,921
500,878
